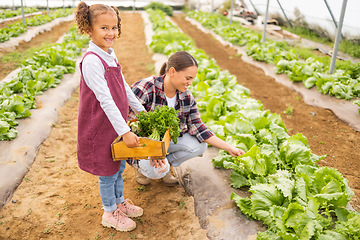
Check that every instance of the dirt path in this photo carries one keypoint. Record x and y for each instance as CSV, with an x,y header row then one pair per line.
x,y
325,132
56,200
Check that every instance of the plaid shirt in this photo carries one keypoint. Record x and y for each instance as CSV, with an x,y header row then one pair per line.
x,y
150,93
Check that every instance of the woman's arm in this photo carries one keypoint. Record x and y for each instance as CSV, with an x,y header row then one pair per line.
x,y
217,142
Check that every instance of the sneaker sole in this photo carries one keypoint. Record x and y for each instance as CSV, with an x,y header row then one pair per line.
x,y
136,214
170,184
109,225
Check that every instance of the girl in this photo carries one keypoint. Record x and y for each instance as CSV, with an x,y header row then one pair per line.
x,y
103,110
171,88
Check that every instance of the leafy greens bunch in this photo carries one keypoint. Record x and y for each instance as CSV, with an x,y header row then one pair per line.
x,y
154,124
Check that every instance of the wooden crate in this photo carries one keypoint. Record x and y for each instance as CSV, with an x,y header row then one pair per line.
x,y
147,148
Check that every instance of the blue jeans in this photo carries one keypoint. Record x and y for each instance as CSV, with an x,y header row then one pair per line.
x,y
186,148
111,189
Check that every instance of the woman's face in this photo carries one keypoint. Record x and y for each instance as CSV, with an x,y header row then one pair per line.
x,y
183,79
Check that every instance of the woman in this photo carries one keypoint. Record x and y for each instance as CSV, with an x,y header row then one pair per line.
x,y
171,88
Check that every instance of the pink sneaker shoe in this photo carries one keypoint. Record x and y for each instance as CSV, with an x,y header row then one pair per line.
x,y
130,209
118,220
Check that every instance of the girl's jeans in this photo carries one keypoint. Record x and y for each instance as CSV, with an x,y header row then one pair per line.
x,y
186,148
111,189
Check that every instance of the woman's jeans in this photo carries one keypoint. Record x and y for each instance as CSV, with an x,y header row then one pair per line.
x,y
186,148
111,189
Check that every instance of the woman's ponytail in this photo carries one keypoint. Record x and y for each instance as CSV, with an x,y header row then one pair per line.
x,y
163,69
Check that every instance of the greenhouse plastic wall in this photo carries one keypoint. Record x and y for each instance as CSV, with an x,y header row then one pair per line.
x,y
70,3
316,13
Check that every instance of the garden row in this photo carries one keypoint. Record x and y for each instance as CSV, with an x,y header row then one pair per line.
x,y
42,71
15,29
299,64
291,194
13,13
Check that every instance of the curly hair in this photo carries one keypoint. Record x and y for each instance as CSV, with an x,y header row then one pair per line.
x,y
85,16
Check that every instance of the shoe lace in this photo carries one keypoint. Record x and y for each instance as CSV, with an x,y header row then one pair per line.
x,y
128,204
119,215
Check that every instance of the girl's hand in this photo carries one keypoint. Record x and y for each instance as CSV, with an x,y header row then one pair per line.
x,y
157,162
131,140
235,152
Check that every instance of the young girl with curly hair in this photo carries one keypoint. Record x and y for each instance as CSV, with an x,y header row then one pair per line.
x,y
104,101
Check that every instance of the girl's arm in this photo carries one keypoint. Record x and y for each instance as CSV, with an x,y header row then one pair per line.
x,y
133,101
217,142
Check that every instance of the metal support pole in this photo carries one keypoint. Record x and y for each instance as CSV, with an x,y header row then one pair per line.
x,y
73,4
332,15
265,21
134,6
285,13
212,6
23,13
63,4
13,8
47,7
231,11
257,13
337,39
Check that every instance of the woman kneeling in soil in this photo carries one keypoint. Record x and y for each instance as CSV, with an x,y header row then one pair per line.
x,y
171,88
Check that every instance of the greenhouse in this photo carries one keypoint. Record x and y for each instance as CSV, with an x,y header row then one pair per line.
x,y
180,119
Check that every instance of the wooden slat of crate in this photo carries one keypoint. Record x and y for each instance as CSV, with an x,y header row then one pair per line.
x,y
148,148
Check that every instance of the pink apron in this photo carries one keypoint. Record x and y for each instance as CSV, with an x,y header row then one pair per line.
x,y
95,132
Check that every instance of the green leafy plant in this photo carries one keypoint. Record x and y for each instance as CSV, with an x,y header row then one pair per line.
x,y
154,124
290,193
42,71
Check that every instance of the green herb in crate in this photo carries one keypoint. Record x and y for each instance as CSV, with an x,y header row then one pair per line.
x,y
154,124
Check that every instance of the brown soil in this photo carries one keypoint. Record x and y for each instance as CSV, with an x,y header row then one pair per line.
x,y
56,200
325,132
48,37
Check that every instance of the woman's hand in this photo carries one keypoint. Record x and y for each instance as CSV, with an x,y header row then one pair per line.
x,y
131,140
235,152
217,142
157,162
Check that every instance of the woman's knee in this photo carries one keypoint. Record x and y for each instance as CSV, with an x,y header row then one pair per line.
x,y
202,148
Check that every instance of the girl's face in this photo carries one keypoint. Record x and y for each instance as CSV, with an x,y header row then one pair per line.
x,y
104,30
183,79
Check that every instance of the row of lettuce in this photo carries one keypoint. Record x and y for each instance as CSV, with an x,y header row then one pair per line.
x,y
300,65
291,194
8,13
42,71
17,28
